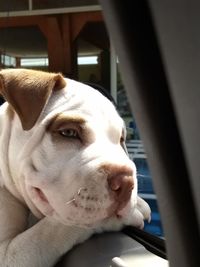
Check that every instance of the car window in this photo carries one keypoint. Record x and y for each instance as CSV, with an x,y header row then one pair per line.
x,y
137,153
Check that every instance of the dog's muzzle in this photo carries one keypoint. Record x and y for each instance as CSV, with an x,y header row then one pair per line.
x,y
120,185
102,194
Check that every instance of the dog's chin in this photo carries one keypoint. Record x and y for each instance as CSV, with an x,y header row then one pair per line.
x,y
77,221
81,220
74,222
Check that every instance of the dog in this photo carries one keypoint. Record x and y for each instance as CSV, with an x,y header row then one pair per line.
x,y
62,161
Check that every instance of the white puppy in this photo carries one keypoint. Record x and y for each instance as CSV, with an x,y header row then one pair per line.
x,y
61,159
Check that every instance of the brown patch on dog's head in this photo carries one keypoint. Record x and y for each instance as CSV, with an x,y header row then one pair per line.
x,y
28,91
60,121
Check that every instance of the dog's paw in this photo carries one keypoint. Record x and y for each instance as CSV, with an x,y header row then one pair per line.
x,y
136,213
144,209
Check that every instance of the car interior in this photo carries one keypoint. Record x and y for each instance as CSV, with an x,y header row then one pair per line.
x,y
158,47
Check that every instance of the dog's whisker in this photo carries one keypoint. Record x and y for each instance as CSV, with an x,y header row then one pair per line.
x,y
70,201
80,189
78,194
142,175
99,204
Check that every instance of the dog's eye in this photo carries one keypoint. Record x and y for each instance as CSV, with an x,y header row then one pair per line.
x,y
71,133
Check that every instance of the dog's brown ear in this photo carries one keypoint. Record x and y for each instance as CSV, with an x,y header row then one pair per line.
x,y
28,91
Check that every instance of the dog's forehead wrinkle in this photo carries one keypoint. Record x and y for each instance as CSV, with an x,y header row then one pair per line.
x,y
78,96
60,103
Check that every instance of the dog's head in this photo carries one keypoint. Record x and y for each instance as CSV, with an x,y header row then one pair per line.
x,y
72,164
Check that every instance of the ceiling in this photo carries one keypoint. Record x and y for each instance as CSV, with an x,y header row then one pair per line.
x,y
30,42
23,42
20,5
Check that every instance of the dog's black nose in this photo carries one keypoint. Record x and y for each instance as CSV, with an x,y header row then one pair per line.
x,y
121,184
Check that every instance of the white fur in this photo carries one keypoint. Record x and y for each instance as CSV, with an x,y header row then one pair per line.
x,y
67,173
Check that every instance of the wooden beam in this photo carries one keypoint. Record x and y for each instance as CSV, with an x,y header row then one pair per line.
x,y
20,21
50,28
78,21
65,26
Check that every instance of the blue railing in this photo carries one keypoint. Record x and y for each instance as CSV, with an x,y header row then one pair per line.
x,y
145,187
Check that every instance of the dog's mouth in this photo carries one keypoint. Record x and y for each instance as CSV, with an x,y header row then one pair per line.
x,y
40,194
41,201
84,209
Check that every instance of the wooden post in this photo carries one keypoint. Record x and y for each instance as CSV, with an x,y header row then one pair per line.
x,y
1,65
51,30
65,23
18,62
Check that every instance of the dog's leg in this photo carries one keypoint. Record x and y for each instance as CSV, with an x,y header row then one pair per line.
x,y
39,246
